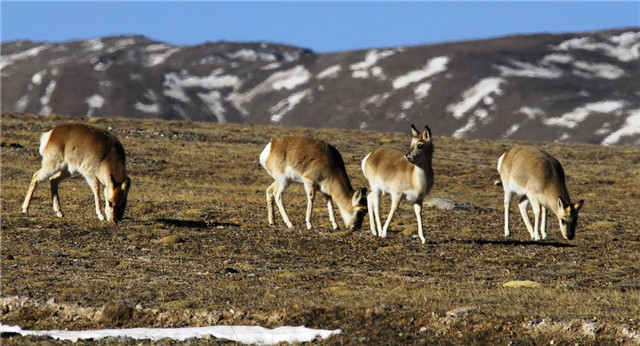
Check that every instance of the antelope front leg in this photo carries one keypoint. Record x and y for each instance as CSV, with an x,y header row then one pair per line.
x,y
507,206
95,187
543,222
332,216
417,208
278,195
523,211
311,195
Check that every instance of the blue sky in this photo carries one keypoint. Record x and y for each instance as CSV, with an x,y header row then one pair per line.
x,y
321,26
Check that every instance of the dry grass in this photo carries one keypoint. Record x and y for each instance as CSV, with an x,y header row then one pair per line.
x,y
195,247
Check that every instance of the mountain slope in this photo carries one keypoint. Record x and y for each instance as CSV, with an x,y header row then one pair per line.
x,y
570,87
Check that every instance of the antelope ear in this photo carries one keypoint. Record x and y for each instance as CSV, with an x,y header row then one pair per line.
x,y
561,203
414,131
426,133
126,184
578,205
359,196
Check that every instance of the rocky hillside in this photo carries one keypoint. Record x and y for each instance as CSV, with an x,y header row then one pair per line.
x,y
581,87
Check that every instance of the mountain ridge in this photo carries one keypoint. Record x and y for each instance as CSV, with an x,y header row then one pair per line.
x,y
580,87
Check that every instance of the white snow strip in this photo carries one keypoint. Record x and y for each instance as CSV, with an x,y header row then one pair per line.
x,y
290,79
6,60
511,130
121,44
93,44
152,108
525,69
375,100
433,67
422,90
329,72
471,124
573,118
284,106
606,71
624,47
155,59
44,100
213,101
531,112
557,59
244,54
21,104
155,47
473,96
242,334
37,77
174,84
630,127
361,69
271,66
406,104
95,101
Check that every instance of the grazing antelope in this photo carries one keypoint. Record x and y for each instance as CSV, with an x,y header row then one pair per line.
x,y
90,151
319,167
398,174
537,178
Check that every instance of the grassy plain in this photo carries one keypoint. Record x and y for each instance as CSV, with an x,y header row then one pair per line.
x,y
195,248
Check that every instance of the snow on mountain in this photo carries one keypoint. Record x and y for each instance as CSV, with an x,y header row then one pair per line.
x,y
568,87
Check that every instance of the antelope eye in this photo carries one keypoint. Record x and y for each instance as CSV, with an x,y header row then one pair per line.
x,y
110,204
420,145
564,222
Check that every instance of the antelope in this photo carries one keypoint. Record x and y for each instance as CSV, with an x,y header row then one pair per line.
x,y
536,177
94,153
319,167
398,174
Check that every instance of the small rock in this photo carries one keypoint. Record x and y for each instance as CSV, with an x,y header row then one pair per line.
x,y
460,311
448,204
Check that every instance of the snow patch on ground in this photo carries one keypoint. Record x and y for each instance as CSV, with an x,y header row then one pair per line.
x,y
422,90
147,108
213,101
531,112
242,334
477,94
330,72
44,100
375,100
156,59
630,127
37,77
556,58
251,55
94,44
471,124
624,47
175,84
525,69
599,70
284,106
155,47
120,44
271,66
6,60
95,101
573,118
511,130
433,67
367,68
22,103
290,79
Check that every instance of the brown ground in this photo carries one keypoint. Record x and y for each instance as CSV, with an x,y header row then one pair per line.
x,y
195,248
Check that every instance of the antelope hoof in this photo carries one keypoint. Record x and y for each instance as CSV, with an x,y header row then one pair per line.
x,y
59,214
309,225
100,217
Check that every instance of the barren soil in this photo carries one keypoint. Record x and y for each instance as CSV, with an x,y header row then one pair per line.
x,y
195,247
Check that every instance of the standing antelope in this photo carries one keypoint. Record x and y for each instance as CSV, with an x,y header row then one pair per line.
x,y
537,178
391,171
94,153
319,167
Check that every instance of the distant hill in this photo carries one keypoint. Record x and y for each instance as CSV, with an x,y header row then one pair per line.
x,y
582,87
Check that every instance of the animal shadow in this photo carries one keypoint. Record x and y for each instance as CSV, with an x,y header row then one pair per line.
x,y
521,243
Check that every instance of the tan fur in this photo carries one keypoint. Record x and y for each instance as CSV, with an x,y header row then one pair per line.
x,y
319,167
538,178
90,151
409,175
